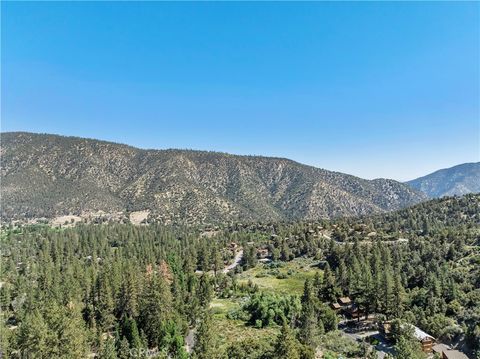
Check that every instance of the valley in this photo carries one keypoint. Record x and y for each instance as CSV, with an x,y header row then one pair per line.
x,y
240,180
246,290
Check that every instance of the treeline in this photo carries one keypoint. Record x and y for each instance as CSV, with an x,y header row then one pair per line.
x,y
117,290
420,264
106,289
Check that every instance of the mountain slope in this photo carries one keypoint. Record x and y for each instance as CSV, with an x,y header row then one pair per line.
x,y
457,180
49,175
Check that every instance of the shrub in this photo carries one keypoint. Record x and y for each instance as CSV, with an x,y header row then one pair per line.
x,y
266,309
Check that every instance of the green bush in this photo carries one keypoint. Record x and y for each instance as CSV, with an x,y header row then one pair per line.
x,y
266,309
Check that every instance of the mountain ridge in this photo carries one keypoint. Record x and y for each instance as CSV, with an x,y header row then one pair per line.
x,y
456,180
48,175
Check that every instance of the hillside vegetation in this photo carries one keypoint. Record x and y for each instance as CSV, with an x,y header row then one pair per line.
x,y
48,176
457,180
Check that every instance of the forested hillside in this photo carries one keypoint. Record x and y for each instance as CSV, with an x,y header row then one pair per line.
x,y
49,176
118,290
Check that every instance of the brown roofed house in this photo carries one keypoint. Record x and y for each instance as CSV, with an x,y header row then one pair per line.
x,y
440,348
344,301
354,312
454,354
263,253
385,329
335,306
426,340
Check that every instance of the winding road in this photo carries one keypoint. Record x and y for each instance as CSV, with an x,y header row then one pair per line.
x,y
190,338
236,261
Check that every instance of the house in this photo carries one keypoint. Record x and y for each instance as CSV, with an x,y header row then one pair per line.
x,y
344,301
426,340
453,354
263,253
353,311
385,329
439,349
335,306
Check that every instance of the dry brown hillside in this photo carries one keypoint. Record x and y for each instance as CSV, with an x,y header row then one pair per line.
x,y
48,175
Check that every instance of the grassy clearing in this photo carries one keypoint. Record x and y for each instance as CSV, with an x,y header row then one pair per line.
x,y
231,331
287,278
221,306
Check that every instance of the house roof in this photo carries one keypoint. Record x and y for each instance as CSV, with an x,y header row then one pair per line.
x,y
420,334
440,348
454,354
336,305
344,300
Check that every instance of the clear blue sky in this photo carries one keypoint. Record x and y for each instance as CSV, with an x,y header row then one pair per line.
x,y
372,89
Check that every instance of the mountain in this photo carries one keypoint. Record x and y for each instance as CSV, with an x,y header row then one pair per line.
x,y
48,175
457,180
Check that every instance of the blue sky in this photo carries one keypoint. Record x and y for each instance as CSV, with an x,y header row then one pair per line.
x,y
372,89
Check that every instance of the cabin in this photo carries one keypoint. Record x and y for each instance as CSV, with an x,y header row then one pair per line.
x,y
426,340
263,253
453,354
264,260
335,306
439,349
345,301
445,352
353,311
385,329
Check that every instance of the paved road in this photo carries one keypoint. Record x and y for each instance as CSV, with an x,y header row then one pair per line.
x,y
395,241
236,262
382,348
190,338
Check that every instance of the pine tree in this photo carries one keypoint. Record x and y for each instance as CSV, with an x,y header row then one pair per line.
x,y
205,291
217,261
387,302
342,276
398,296
287,346
366,294
205,344
124,349
317,283
156,309
128,296
71,334
407,347
308,318
376,265
60,332
130,331
34,336
329,291
107,349
5,337
106,305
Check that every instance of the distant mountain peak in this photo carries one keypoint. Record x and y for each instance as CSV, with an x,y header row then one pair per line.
x,y
456,180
